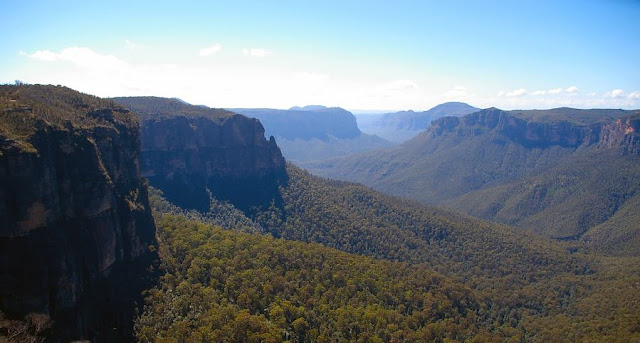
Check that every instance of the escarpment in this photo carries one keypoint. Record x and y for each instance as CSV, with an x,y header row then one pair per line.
x,y
76,223
531,133
622,133
561,172
191,152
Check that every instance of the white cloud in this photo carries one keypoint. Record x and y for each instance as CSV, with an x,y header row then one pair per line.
x,y
82,57
513,93
555,91
616,93
542,99
254,52
210,50
234,84
42,55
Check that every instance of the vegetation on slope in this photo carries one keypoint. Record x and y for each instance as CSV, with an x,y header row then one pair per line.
x,y
302,151
228,286
527,288
150,107
570,115
27,108
559,172
565,201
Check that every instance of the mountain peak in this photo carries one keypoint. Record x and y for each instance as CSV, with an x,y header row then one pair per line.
x,y
308,108
401,126
457,108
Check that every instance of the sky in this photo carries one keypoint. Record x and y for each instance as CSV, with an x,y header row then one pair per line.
x,y
359,55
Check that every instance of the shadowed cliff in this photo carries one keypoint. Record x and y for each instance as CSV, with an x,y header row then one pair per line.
x,y
189,151
76,224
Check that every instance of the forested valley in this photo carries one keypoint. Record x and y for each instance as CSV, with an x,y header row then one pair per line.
x,y
410,273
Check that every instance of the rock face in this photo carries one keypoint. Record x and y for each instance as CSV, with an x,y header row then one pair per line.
x,y
622,132
306,123
189,151
76,223
314,132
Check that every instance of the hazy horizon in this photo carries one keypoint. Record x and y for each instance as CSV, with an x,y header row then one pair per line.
x,y
361,56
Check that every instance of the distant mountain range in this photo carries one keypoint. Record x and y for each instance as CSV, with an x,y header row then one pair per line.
x,y
85,238
564,173
314,132
401,126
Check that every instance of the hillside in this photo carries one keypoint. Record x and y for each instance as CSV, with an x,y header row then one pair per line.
x,y
401,126
364,266
525,287
76,223
517,286
559,177
229,286
156,108
314,132
587,190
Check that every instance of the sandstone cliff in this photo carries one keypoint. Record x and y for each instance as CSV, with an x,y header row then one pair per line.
x,y
531,132
189,151
76,223
306,123
622,133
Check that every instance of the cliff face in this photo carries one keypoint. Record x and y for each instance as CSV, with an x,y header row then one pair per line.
x,y
306,123
622,133
76,223
619,133
314,132
189,151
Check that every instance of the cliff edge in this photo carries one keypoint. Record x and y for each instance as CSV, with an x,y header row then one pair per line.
x,y
76,223
191,151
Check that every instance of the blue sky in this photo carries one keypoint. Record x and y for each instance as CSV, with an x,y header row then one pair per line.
x,y
390,55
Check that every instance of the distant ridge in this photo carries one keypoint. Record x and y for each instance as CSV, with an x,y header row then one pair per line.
x,y
314,132
401,126
558,172
308,108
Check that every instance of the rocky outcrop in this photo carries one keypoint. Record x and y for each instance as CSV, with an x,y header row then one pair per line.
x,y
619,133
185,157
189,152
622,133
306,123
76,223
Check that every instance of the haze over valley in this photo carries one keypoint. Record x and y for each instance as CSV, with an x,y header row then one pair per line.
x,y
320,172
